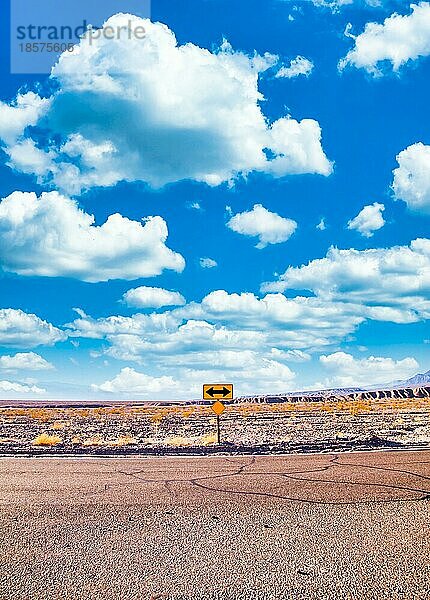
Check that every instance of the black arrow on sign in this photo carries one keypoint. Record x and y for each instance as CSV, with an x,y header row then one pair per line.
x,y
212,392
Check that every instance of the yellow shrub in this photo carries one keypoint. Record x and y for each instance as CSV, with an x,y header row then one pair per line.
x,y
156,418
123,440
84,413
46,440
177,440
39,413
208,439
96,440
187,412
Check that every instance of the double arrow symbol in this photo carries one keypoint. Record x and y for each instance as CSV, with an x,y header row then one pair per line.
x,y
212,392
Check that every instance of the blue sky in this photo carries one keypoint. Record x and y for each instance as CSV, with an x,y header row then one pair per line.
x,y
221,146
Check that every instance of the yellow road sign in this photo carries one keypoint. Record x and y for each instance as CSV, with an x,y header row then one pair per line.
x,y
218,408
213,391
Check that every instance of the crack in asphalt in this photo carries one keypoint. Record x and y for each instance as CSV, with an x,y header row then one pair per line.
x,y
292,475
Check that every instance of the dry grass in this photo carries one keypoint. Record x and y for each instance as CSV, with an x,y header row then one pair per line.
x,y
95,440
157,417
123,440
179,441
354,407
117,410
40,414
207,440
187,412
46,440
195,425
58,426
98,440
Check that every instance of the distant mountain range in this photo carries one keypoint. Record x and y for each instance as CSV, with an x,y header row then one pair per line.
x,y
419,379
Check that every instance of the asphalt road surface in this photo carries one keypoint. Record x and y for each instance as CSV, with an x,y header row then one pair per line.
x,y
350,526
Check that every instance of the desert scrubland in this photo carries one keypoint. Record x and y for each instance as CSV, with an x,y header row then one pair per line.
x,y
285,426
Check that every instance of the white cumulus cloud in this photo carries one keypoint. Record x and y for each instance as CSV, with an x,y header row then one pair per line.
x,y
155,111
269,227
252,340
19,329
368,220
52,236
389,284
322,225
19,388
261,374
24,361
334,5
399,39
298,66
207,263
152,297
411,181
349,371
26,110
216,331
337,5
129,381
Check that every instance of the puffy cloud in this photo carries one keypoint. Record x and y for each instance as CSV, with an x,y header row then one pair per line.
x,y
129,381
411,181
52,236
292,316
298,66
334,5
152,297
321,226
22,330
272,328
368,220
292,355
269,227
25,111
237,337
387,284
349,371
19,388
268,375
207,263
24,361
154,111
399,39
25,156
252,340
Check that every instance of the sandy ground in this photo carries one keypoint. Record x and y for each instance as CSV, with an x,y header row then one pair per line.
x,y
320,527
